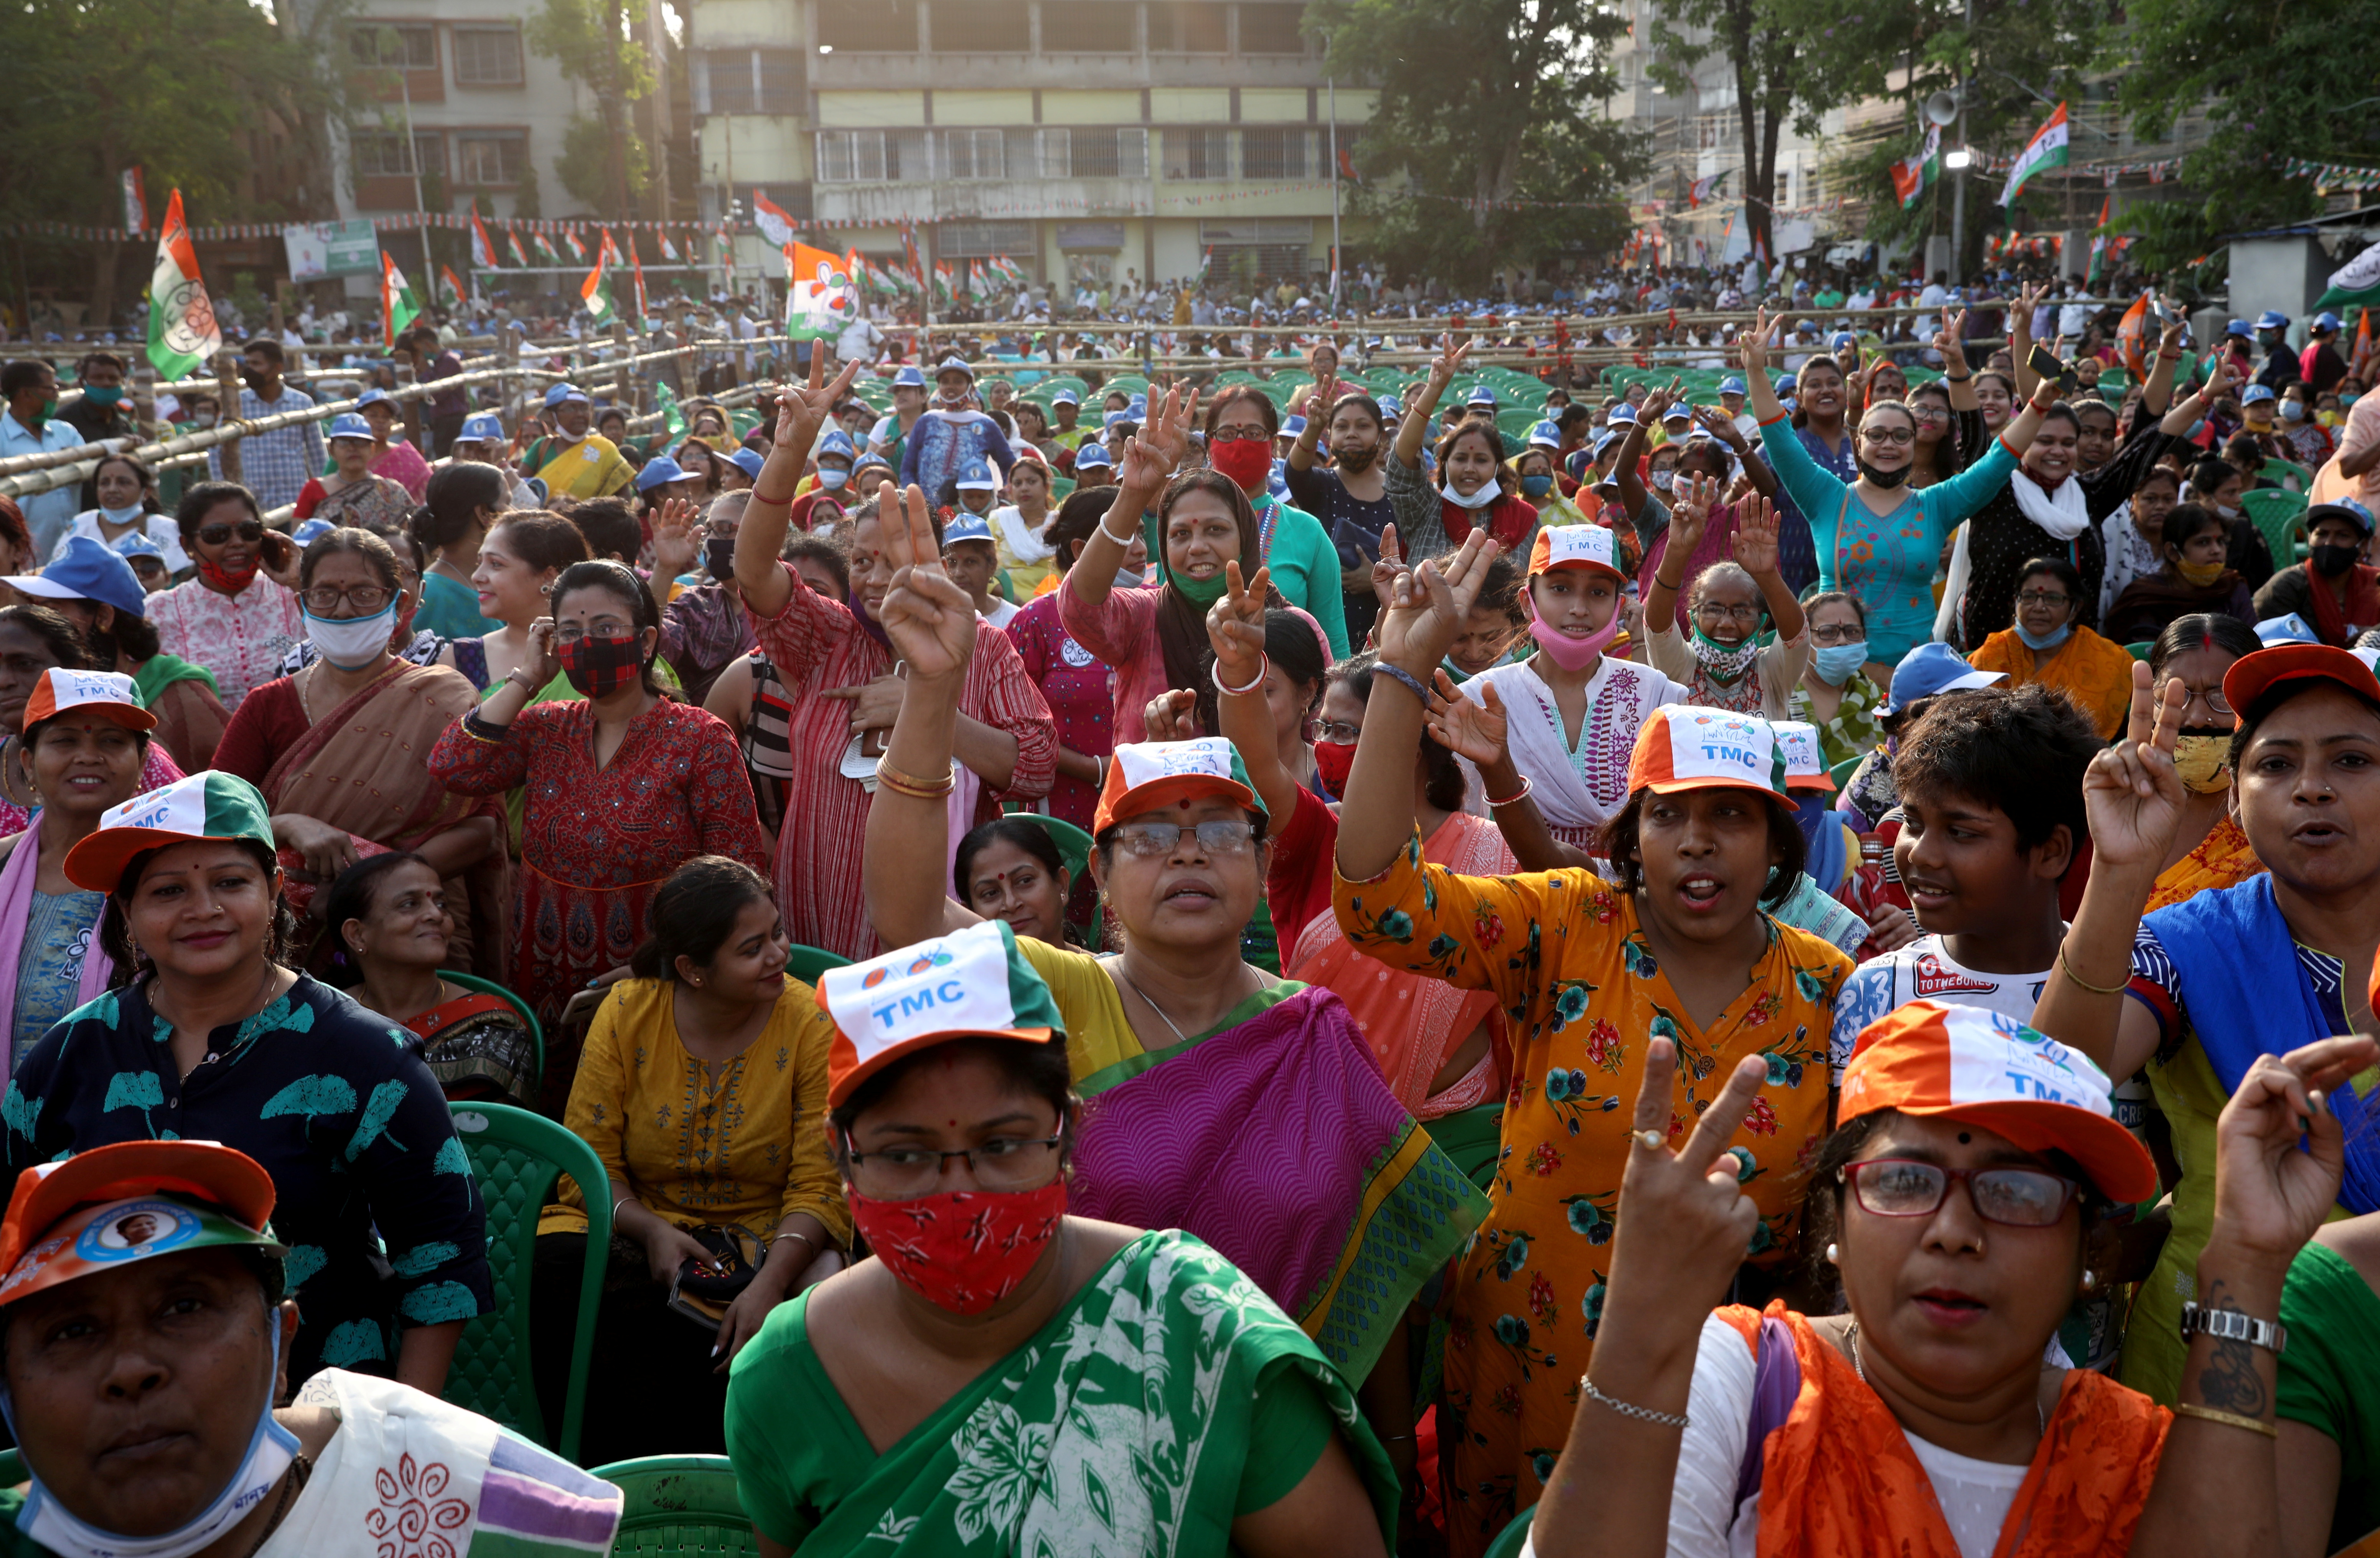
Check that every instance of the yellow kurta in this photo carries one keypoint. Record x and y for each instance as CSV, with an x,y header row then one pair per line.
x,y
592,467
747,1150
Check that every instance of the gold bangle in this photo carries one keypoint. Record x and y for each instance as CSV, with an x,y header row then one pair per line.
x,y
2086,984
902,784
2229,1419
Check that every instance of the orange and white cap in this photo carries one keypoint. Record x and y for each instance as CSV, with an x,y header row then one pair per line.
x,y
1151,775
1805,761
1576,546
108,694
1684,747
1971,1064
971,984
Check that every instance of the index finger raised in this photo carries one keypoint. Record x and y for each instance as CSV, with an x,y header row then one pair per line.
x,y
1725,1116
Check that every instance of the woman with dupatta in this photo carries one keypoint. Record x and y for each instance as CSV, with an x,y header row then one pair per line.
x,y
339,750
1244,1109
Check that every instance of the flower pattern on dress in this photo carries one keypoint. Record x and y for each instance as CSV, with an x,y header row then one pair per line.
x,y
414,1515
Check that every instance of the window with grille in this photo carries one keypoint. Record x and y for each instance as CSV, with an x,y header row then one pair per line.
x,y
1272,153
1095,154
870,26
490,156
394,47
1197,153
856,157
1271,29
487,56
981,240
380,154
749,82
978,153
1085,27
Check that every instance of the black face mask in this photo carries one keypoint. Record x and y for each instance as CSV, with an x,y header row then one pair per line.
x,y
2332,561
1882,478
1355,461
719,555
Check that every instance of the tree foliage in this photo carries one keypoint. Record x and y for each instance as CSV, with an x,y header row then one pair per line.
x,y
605,162
1483,104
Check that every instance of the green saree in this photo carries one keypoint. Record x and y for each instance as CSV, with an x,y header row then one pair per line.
x,y
1151,1410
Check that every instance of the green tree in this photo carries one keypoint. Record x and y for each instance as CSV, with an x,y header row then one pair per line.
x,y
1485,148
589,39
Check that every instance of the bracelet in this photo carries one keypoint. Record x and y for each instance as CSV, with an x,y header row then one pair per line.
x,y
616,1206
2229,1419
902,784
759,496
1407,678
2230,1325
1516,799
1124,542
1665,584
1626,1410
797,1233
527,683
1264,669
2086,984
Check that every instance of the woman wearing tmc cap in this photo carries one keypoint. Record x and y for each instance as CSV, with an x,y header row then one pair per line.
x,y
1961,1202
1680,944
153,1262
2197,991
1244,1109
1003,1376
208,1036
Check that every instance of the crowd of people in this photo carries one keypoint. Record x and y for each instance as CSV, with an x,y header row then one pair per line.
x,y
1480,994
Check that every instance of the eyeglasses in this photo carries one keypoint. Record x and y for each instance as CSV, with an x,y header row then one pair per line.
x,y
1890,434
1710,611
1850,633
324,599
1150,841
215,535
571,633
2015,1198
1004,1163
1339,731
1239,435
2211,697
2042,598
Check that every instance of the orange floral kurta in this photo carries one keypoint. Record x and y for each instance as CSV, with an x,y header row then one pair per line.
x,y
1582,992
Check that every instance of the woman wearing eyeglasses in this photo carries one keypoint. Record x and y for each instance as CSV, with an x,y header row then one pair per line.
x,y
229,619
1723,664
2050,646
338,750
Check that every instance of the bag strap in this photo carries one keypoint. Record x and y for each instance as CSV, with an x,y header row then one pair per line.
x,y
1776,1385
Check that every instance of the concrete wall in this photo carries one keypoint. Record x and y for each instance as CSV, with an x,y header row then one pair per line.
x,y
2286,273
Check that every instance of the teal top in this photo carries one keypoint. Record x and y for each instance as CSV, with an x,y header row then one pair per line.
x,y
450,610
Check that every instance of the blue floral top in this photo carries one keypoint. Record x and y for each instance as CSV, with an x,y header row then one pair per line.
x,y
337,1107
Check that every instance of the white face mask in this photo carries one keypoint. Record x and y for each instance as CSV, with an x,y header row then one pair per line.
x,y
350,642
832,478
121,515
1486,495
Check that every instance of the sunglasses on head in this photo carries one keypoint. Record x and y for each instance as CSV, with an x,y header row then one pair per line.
x,y
215,535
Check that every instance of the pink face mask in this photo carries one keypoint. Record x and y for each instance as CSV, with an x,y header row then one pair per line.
x,y
1575,654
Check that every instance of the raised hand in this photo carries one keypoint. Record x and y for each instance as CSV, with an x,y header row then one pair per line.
x,y
1390,564
673,528
1467,729
1157,450
803,410
1449,362
541,662
2220,380
1690,516
1689,1204
1720,426
930,621
1426,609
1171,716
2269,1194
1658,401
1752,344
1757,523
1945,340
1235,627
2130,793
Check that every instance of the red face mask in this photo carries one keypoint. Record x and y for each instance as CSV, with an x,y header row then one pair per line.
x,y
1331,761
1248,461
599,667
224,579
963,1250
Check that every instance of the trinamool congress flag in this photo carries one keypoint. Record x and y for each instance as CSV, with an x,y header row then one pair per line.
x,y
183,333
819,297
1910,176
2047,150
398,307
594,291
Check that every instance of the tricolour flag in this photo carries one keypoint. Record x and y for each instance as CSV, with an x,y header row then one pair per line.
x,y
944,282
819,297
2131,335
1912,175
1206,261
577,250
2047,150
183,333
637,269
483,248
136,203
398,307
520,255
1009,271
450,289
594,291
775,223
2099,242
545,250
1701,192
669,249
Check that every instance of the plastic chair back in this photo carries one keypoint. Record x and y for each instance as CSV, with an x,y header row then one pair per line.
x,y
806,963
2293,477
2142,651
2279,516
528,1016
1841,772
1508,1542
680,1505
518,1157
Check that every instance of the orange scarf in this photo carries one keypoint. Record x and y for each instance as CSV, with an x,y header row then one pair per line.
x,y
2223,858
1839,1480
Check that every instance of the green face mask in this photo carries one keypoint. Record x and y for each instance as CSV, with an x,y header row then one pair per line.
x,y
1199,591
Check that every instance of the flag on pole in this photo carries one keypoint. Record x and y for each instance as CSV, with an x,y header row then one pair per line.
x,y
1206,262
1701,192
819,297
182,330
483,248
2099,243
577,250
520,255
1347,163
545,250
398,307
1008,271
2047,150
136,203
637,269
909,247
775,223
450,289
669,249
944,283
595,292
2132,332
1912,175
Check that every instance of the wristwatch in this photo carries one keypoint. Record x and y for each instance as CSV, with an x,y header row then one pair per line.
x,y
2230,1325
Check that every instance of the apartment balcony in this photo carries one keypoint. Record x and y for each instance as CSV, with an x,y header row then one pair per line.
x,y
842,71
976,200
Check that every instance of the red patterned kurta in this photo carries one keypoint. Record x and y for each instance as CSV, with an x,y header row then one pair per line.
x,y
817,645
596,843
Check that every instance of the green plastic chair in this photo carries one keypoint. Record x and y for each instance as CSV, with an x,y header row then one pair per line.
x,y
1841,772
2142,651
806,963
680,1506
528,1016
518,1157
1508,1541
2279,516
2293,477
12,1468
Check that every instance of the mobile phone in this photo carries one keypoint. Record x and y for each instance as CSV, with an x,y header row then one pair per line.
x,y
2044,363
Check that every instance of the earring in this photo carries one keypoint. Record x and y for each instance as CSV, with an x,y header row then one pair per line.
x,y
1832,1258
2090,1280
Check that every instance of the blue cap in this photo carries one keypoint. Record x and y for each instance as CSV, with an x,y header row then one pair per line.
x,y
1731,384
1137,405
1066,397
2289,628
374,396
1605,440
835,443
964,525
1292,428
1621,415
911,377
1093,454
658,469
1932,668
2272,319
86,571
483,427
561,392
137,543
1114,417
1679,411
748,461
976,477
1841,338
309,529
1481,396
1782,384
2254,394
1545,435
2238,327
1391,407
348,424
2348,509
2328,320
956,365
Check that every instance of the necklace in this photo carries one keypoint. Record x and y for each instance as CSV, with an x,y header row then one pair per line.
x,y
292,1484
1125,981
1850,1340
